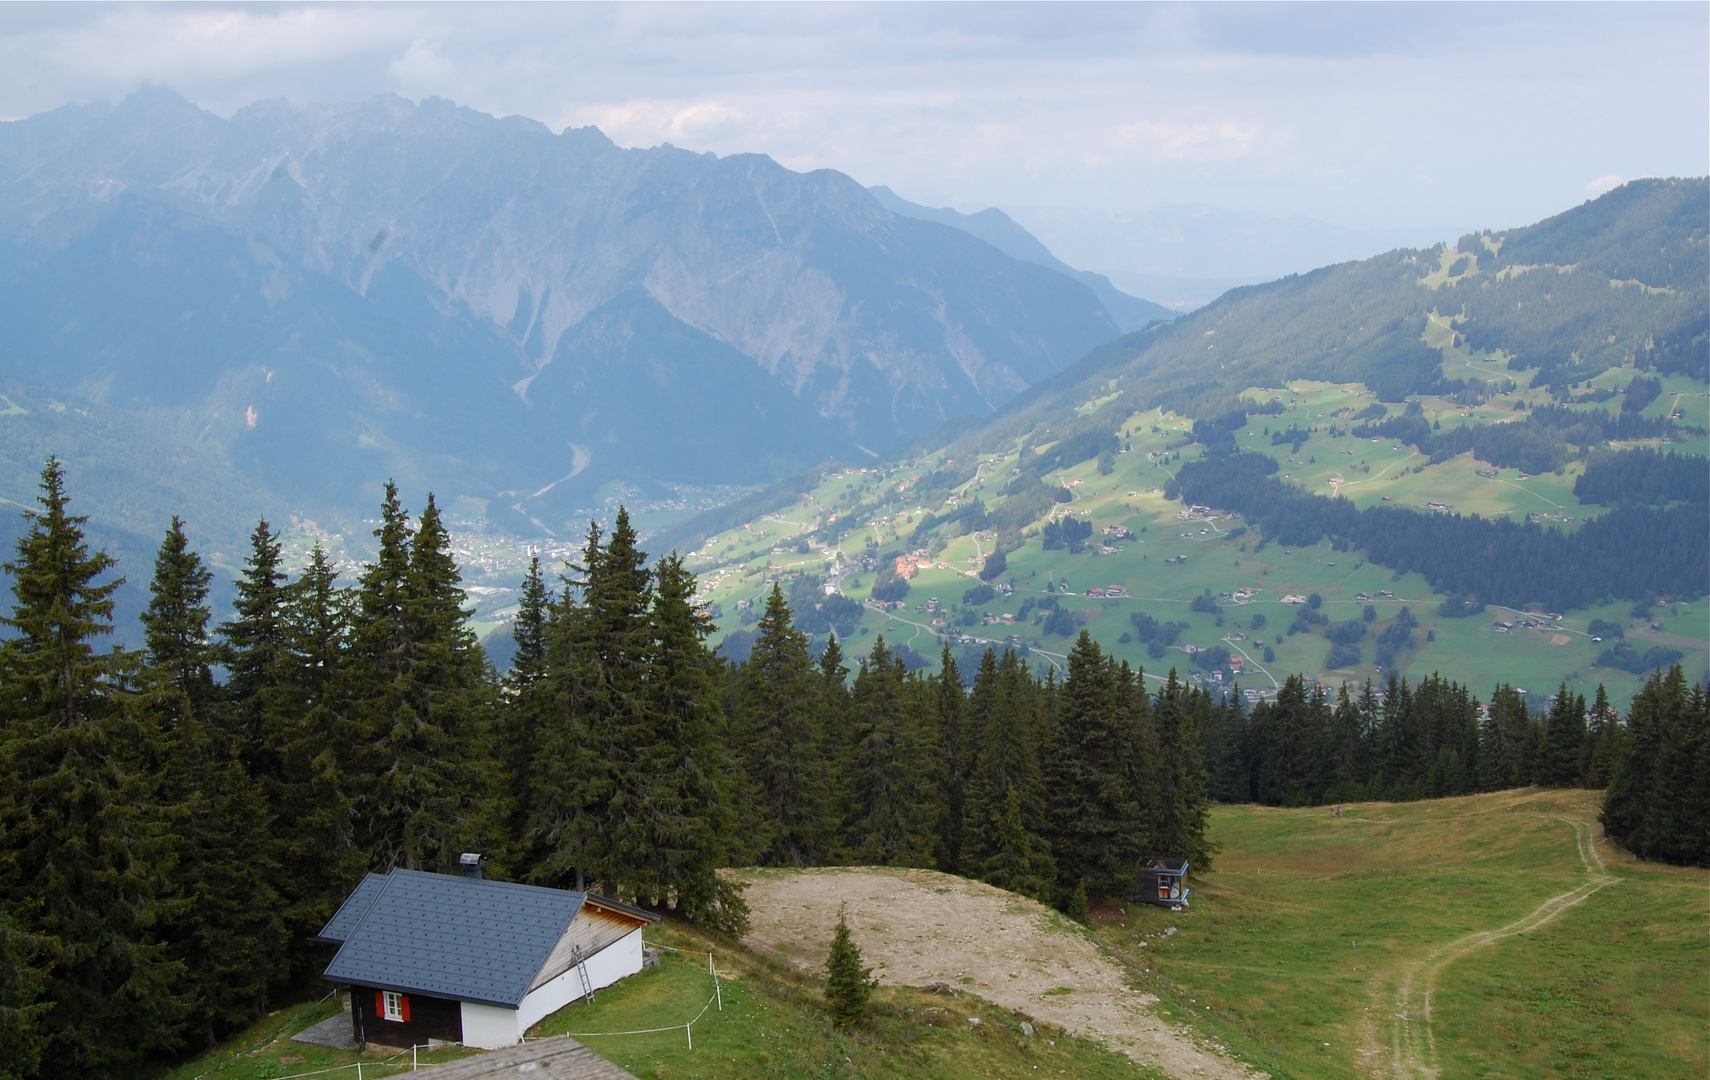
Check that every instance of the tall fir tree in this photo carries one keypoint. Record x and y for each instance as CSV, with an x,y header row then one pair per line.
x,y
423,700
951,769
1005,729
315,798
227,932
688,823
1564,740
1093,806
893,806
781,736
86,855
1602,741
1182,809
588,772
526,702
255,652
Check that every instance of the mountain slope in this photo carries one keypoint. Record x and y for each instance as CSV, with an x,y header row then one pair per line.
x,y
1415,440
1000,231
330,295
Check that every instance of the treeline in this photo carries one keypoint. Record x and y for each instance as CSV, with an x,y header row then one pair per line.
x,y
169,840
1644,477
1405,742
177,822
1052,789
1548,438
1658,806
1636,553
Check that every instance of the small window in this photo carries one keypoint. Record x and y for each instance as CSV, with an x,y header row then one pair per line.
x,y
393,1006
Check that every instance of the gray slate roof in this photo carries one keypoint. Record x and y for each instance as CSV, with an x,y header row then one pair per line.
x,y
453,937
350,913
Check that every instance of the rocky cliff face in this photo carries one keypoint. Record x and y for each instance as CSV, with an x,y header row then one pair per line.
x,y
395,261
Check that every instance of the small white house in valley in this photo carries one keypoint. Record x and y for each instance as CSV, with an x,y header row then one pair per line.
x,y
463,959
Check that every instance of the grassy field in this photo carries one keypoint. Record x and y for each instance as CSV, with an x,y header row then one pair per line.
x,y
265,1052
772,1024
1494,940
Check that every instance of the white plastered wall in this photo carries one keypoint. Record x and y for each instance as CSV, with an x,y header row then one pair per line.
x,y
618,960
489,1027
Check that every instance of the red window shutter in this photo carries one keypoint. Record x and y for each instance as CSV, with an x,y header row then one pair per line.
x,y
379,1004
404,1007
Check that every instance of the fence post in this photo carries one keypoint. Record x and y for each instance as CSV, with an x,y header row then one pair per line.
x,y
689,1030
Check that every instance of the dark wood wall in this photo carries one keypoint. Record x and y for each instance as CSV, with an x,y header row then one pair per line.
x,y
430,1018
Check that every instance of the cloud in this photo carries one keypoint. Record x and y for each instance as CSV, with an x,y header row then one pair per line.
x,y
1604,183
1178,141
1335,111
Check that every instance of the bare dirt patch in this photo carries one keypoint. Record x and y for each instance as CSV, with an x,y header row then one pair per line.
x,y
918,927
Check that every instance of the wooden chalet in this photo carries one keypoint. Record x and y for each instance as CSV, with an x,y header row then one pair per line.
x,y
466,960
1164,882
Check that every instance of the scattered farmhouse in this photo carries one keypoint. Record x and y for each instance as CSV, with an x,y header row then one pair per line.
x,y
462,959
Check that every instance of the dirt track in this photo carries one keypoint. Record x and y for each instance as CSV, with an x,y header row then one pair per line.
x,y
917,927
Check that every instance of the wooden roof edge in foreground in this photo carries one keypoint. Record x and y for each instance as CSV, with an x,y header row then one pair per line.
x,y
556,1058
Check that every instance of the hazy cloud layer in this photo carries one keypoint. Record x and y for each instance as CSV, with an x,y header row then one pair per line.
x,y
1368,116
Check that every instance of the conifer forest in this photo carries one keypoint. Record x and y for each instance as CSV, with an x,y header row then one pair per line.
x,y
177,821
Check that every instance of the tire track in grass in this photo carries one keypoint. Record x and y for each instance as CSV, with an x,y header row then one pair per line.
x,y
1411,1042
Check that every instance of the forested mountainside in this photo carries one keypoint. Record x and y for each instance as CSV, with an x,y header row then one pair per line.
x,y
1485,461
324,296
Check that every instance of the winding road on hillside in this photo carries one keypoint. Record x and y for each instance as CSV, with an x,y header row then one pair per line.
x,y
1401,997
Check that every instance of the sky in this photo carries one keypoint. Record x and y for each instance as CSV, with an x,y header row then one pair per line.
x,y
1365,116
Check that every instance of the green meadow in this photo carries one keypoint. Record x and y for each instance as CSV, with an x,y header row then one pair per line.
x,y
1491,936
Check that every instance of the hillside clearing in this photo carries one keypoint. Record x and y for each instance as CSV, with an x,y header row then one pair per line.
x,y
1497,936
918,927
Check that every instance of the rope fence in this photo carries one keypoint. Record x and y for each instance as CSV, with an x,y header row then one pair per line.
x,y
716,998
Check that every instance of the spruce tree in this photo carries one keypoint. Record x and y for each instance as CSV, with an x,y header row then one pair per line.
x,y
320,854
1564,740
175,631
1602,742
589,767
424,700
782,739
1016,858
1501,740
1094,808
1004,733
893,807
255,653
1180,831
951,772
24,960
1632,786
526,700
848,985
227,931
85,855
682,831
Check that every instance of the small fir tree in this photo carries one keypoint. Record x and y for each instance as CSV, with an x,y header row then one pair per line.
x,y
848,985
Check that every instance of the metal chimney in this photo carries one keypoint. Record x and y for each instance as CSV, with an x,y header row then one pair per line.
x,y
471,863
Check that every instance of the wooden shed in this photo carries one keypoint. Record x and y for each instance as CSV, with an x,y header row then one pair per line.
x,y
1164,882
462,959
